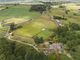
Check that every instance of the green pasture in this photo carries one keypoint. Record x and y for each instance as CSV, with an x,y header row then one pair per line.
x,y
41,24
17,11
40,27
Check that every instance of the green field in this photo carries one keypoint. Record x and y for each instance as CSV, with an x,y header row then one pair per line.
x,y
41,24
17,11
39,27
73,16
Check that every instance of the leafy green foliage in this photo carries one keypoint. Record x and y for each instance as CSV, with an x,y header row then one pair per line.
x,y
38,40
76,53
74,26
12,27
38,8
60,18
16,51
70,36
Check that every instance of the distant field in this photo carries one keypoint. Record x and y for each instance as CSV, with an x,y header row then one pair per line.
x,y
17,11
72,16
72,6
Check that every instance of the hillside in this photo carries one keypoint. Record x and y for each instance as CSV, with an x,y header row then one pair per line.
x,y
40,32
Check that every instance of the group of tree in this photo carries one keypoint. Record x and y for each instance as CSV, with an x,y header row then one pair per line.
x,y
69,35
14,26
60,17
10,50
38,8
38,40
46,6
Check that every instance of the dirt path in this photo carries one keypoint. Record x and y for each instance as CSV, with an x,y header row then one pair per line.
x,y
24,43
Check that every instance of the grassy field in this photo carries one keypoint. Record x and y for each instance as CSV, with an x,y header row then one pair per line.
x,y
38,27
16,20
17,11
72,6
72,16
41,24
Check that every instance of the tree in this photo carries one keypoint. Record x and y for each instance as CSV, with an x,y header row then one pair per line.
x,y
38,40
6,7
38,8
69,36
10,50
12,27
47,4
74,26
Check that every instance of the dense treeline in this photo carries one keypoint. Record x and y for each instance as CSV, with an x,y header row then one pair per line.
x,y
10,50
16,51
38,8
41,8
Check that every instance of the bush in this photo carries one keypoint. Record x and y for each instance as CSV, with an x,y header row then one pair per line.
x,y
74,26
58,17
38,40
